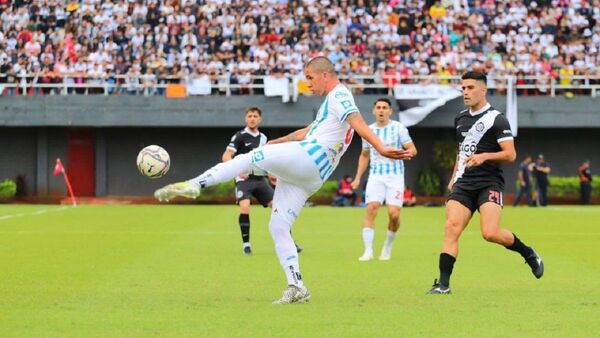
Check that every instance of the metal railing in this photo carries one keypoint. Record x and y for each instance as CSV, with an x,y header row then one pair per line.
x,y
150,85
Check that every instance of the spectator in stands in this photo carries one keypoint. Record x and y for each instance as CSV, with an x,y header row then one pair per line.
x,y
411,36
524,181
585,182
410,200
541,169
345,195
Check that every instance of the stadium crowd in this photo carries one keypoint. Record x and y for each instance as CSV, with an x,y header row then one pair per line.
x,y
156,42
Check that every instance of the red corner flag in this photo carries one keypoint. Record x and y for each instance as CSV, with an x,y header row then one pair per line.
x,y
60,169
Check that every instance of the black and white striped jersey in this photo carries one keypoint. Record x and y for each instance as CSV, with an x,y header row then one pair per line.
x,y
478,132
244,141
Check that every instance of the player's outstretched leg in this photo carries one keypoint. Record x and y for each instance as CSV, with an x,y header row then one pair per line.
x,y
530,255
220,173
186,189
492,232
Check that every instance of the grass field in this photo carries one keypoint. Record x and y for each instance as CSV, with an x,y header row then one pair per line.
x,y
178,271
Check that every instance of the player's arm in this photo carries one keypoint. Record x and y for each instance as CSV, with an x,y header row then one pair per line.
x,y
232,148
411,148
363,163
506,155
358,124
297,135
228,155
451,183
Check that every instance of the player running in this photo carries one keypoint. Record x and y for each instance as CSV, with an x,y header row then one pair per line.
x,y
485,141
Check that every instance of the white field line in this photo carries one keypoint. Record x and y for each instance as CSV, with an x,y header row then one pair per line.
x,y
33,213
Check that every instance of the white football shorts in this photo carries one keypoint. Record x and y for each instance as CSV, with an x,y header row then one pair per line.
x,y
385,188
297,176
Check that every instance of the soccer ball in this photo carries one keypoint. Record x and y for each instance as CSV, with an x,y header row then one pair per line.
x,y
153,161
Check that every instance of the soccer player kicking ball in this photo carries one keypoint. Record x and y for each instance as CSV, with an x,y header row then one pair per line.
x,y
486,141
301,161
253,184
386,178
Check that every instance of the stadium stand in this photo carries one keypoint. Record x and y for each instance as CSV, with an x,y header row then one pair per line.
x,y
139,47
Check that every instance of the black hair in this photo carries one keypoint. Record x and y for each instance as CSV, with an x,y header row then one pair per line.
x,y
383,99
478,76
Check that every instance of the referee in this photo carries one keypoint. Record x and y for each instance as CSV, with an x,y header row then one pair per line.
x,y
485,141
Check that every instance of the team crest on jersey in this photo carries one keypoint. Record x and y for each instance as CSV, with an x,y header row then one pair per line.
x,y
340,95
479,127
257,156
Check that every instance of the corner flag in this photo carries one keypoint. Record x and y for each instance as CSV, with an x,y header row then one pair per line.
x,y
60,169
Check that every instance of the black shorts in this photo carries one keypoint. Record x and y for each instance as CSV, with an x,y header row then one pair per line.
x,y
257,188
474,198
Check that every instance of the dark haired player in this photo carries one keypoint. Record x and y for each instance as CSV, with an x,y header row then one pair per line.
x,y
485,141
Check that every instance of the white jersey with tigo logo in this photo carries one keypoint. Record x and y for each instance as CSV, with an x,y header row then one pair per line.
x,y
395,135
330,134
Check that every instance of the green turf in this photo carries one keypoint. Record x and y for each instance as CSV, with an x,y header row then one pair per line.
x,y
178,271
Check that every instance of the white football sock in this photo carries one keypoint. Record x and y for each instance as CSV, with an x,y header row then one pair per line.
x,y
225,171
368,234
389,240
285,248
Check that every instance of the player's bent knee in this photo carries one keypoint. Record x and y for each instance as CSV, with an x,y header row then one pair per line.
x,y
490,236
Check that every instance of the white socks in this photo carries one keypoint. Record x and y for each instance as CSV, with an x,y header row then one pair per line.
x,y
285,248
225,171
368,234
389,240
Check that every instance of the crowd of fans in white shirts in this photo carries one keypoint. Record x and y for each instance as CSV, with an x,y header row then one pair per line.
x,y
138,44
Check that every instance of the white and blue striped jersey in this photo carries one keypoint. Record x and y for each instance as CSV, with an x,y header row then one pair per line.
x,y
394,134
330,134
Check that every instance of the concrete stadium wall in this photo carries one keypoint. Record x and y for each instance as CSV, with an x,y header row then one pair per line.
x,y
220,111
32,152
